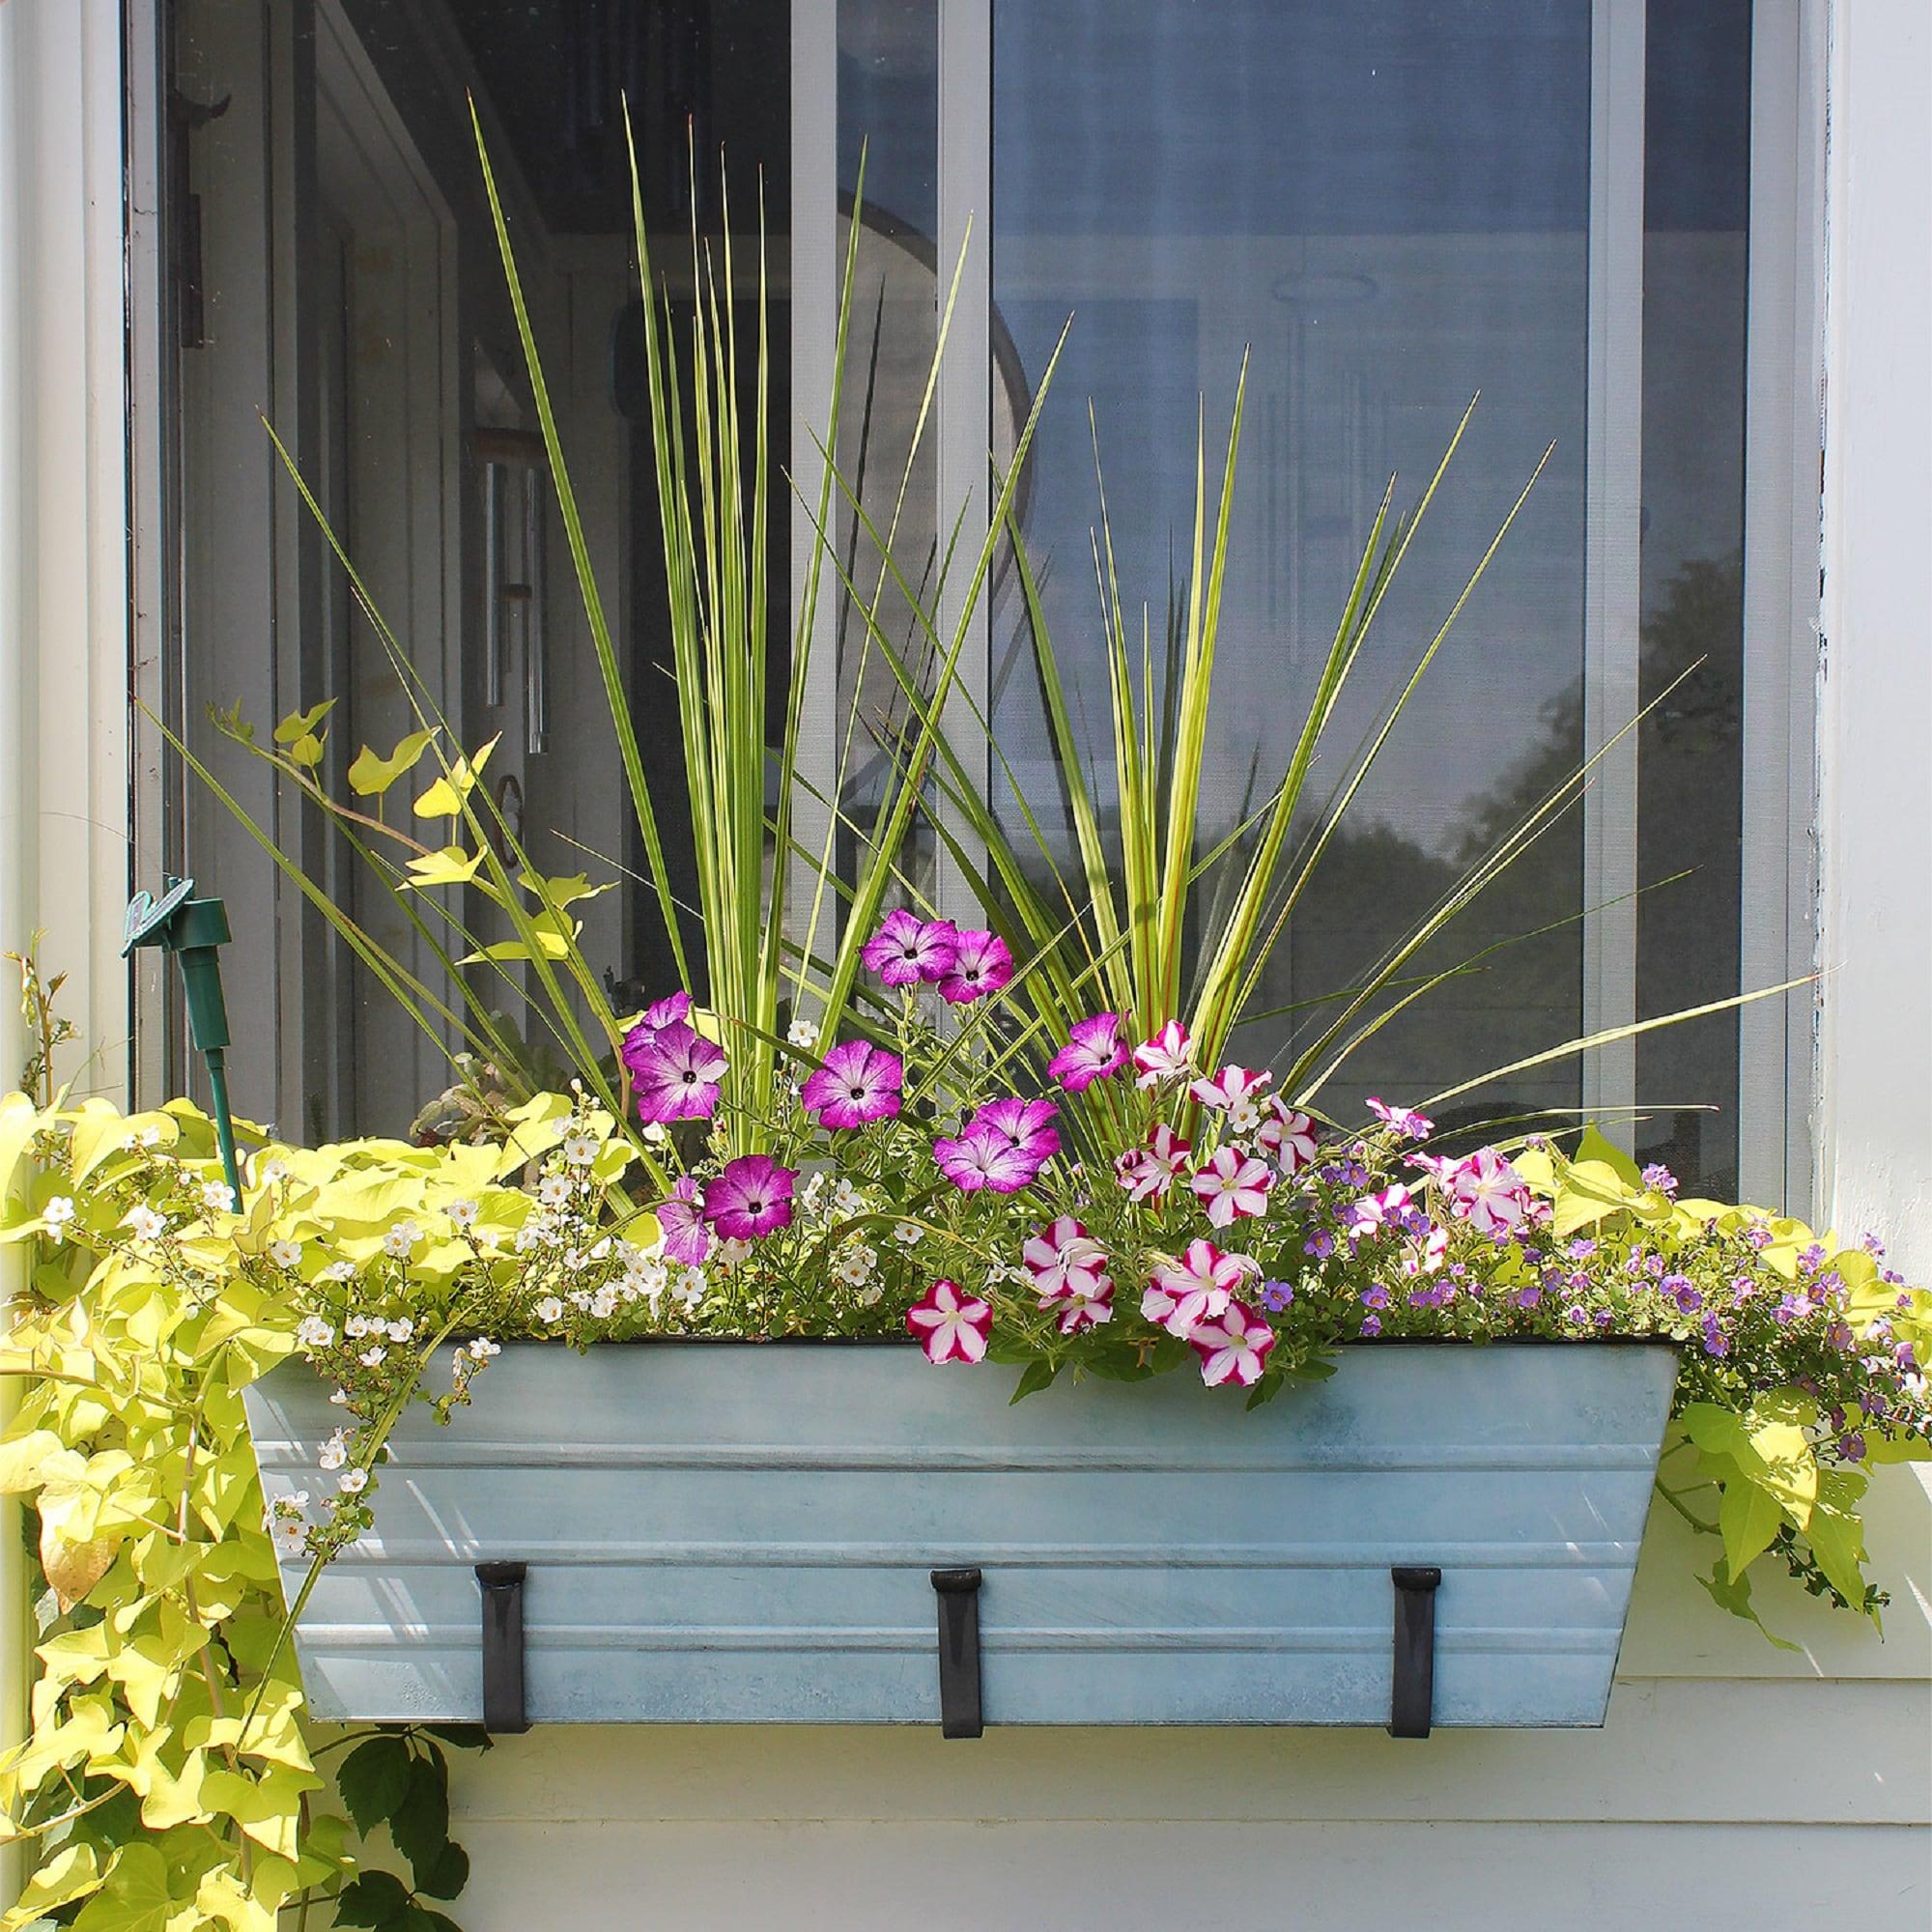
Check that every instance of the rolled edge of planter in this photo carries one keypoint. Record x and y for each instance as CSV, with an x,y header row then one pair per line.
x,y
747,1533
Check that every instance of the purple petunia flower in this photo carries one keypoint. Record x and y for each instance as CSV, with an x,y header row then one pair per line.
x,y
681,1222
661,1014
1275,1296
859,1082
676,1072
907,949
983,1156
1026,1123
1093,1051
981,965
751,1198
1372,1326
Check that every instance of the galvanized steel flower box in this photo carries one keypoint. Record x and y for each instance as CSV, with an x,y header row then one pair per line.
x,y
747,1533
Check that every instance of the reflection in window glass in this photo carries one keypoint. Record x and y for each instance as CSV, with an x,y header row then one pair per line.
x,y
333,266
1389,206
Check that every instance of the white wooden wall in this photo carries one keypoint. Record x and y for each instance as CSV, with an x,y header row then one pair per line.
x,y
1734,1785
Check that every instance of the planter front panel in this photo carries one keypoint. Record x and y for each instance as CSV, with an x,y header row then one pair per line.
x,y
745,1534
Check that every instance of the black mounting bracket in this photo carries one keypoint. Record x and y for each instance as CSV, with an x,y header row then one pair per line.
x,y
503,1587
959,1710
1414,1693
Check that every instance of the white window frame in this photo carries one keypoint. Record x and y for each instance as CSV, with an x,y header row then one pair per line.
x,y
1782,438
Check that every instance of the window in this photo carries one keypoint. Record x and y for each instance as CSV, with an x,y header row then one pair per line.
x,y
1391,208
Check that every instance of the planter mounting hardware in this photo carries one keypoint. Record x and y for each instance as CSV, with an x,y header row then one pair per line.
x,y
503,1587
1414,1679
960,1709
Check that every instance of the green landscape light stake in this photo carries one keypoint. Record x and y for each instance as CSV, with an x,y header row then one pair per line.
x,y
195,931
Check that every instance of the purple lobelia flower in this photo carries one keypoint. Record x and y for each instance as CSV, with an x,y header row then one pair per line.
x,y
859,1082
907,949
751,1198
981,965
1093,1051
676,1073
681,1222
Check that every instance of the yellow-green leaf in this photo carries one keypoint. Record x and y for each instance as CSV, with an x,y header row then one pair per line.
x,y
300,725
69,1874
444,798
370,776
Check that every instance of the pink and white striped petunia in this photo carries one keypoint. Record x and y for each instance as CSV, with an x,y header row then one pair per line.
x,y
1427,1254
950,1326
1374,1213
1093,1051
1234,1347
1229,1088
1189,1287
1083,1310
1063,1261
1148,1172
1487,1192
1168,1056
1233,1184
859,1082
1405,1121
1289,1136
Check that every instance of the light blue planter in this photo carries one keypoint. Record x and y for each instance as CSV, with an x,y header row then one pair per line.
x,y
742,1533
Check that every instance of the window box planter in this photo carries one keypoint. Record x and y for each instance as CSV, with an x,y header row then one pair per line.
x,y
747,1533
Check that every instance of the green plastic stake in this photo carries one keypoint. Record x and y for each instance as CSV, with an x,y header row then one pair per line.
x,y
193,930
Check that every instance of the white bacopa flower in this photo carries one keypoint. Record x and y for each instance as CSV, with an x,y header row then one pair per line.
x,y
532,1234
355,1327
691,1286
869,1295
399,1243
549,1309
579,1148
553,1190
218,1197
292,1533
802,1032
649,1278
373,1358
402,1328
353,1481
653,1133
482,1348
909,1234
335,1452
339,1397
285,1254
734,1251
604,1303
314,1333
1245,1115
462,1215
272,1171
337,1271
812,1192
847,1199
145,1224
58,1215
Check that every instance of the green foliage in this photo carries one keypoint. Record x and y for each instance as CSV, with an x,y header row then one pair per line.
x,y
168,1780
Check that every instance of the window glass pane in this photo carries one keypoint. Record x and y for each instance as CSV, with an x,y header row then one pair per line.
x,y
334,266
1390,207
1696,206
